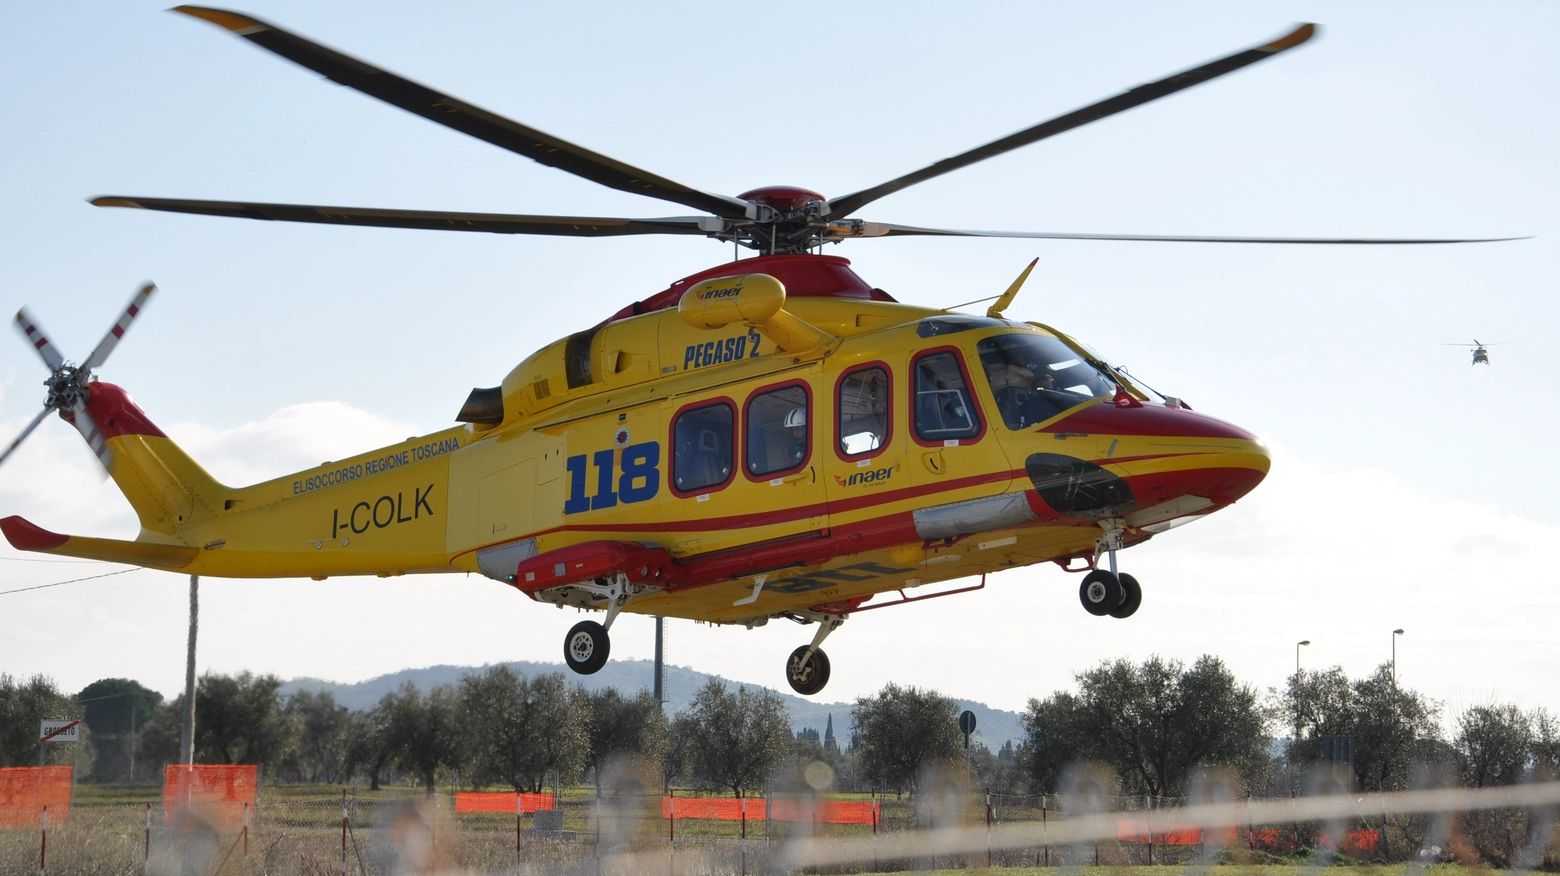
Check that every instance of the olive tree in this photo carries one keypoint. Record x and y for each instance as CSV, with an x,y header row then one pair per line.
x,y
518,729
622,725
899,732
1155,724
740,736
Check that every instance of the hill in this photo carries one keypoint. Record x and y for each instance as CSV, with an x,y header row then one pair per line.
x,y
994,726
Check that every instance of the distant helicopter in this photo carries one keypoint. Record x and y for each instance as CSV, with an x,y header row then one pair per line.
x,y
1481,356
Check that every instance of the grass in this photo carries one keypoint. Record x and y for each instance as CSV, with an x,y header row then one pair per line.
x,y
298,833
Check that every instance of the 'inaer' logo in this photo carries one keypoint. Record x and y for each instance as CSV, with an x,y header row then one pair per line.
x,y
870,476
719,294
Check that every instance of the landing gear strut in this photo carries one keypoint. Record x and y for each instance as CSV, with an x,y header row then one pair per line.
x,y
1102,592
587,645
807,669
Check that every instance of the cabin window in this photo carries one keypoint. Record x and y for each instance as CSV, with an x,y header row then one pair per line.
x,y
779,430
703,457
863,411
1034,378
943,409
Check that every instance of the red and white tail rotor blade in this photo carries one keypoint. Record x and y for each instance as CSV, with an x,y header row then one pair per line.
x,y
33,332
78,417
106,345
25,432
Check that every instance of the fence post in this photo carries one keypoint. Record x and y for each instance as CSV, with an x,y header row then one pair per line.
x,y
1294,841
1251,828
43,844
988,827
1045,829
1148,806
146,848
519,814
876,817
671,829
243,866
343,832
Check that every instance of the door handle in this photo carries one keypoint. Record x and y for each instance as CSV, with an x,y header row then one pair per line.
x,y
934,462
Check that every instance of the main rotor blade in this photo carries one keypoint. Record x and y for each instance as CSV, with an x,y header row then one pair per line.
x,y
493,223
25,432
106,345
883,229
464,117
33,332
88,428
842,207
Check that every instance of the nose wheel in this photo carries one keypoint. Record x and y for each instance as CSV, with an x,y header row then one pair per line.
x,y
1131,597
1100,592
1106,592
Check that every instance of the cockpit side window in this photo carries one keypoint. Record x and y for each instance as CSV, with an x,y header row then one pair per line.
x,y
1034,377
943,408
702,451
863,415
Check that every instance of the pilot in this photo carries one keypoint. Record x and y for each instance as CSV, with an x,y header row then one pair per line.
x,y
796,427
1044,380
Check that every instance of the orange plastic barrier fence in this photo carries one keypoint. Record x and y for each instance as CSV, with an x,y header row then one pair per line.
x,y
824,811
475,801
1353,841
1131,831
721,808
730,809
215,794
24,791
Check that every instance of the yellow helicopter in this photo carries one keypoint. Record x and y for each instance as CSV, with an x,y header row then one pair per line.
x,y
1481,355
772,438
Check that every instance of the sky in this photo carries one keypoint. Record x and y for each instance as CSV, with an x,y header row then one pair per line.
x,y
1409,489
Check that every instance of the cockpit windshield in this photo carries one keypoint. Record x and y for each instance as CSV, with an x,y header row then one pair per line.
x,y
1035,377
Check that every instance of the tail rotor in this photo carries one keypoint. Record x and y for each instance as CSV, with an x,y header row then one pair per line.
x,y
69,385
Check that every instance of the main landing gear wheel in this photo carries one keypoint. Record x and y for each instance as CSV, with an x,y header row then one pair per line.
x,y
1100,592
1131,598
807,673
586,646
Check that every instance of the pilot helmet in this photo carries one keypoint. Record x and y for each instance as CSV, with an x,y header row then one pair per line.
x,y
795,418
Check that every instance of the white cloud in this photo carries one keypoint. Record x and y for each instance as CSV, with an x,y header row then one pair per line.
x,y
294,438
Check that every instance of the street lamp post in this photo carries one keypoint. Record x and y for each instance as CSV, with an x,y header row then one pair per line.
x,y
1298,645
1395,634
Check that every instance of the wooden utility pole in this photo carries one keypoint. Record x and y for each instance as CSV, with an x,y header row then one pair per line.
x,y
187,728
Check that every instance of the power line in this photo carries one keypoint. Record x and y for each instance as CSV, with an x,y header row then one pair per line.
x,y
71,581
33,560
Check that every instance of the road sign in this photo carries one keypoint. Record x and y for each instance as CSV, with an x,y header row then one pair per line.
x,y
59,731
967,722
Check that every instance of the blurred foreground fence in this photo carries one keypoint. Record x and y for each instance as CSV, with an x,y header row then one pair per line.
x,y
405,831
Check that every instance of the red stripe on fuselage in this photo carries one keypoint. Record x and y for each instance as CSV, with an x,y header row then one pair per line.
x,y
1107,419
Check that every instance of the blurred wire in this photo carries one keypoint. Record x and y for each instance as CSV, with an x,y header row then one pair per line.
x,y
32,560
71,581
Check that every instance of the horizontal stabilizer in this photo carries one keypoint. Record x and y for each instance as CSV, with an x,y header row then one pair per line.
x,y
25,536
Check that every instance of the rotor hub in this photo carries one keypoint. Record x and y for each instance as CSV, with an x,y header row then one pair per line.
x,y
66,385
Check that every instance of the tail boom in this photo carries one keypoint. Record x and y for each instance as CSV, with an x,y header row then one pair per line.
x,y
27,536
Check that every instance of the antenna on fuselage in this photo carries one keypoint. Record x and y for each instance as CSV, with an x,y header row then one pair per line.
x,y
1006,299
